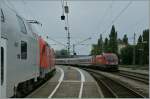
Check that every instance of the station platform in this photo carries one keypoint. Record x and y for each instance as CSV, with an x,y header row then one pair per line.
x,y
69,82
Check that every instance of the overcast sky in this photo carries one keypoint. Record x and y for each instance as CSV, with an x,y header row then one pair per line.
x,y
86,19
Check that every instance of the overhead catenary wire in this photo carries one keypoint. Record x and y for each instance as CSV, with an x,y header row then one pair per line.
x,y
131,39
136,24
56,41
47,36
116,18
28,10
106,12
83,41
102,19
10,5
122,11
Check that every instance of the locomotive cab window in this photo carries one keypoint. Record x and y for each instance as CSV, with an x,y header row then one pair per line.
x,y
23,50
2,16
22,25
2,65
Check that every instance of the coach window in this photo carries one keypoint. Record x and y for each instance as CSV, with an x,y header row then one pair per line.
x,y
23,50
22,25
2,65
2,16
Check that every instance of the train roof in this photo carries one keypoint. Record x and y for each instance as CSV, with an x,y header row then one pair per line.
x,y
87,57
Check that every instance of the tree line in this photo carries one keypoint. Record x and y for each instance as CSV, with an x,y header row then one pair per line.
x,y
125,51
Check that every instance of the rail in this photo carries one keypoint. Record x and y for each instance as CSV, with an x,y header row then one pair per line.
x,y
135,76
114,88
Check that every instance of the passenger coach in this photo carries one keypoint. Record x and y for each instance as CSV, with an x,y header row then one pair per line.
x,y
25,57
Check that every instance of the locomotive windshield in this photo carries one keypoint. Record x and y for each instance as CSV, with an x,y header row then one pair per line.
x,y
111,57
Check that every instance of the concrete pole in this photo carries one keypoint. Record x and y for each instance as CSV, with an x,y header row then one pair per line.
x,y
134,49
73,49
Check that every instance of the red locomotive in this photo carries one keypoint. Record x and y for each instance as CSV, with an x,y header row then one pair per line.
x,y
106,61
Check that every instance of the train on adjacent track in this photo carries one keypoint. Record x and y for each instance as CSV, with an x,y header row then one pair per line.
x,y
25,57
105,61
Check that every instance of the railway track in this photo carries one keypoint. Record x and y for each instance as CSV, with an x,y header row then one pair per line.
x,y
135,76
112,88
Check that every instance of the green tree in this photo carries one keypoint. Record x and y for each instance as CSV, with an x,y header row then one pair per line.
x,y
146,46
100,44
140,40
139,51
62,54
106,45
120,41
125,39
127,55
95,50
113,44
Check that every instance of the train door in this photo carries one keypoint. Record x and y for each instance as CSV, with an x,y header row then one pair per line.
x,y
3,67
